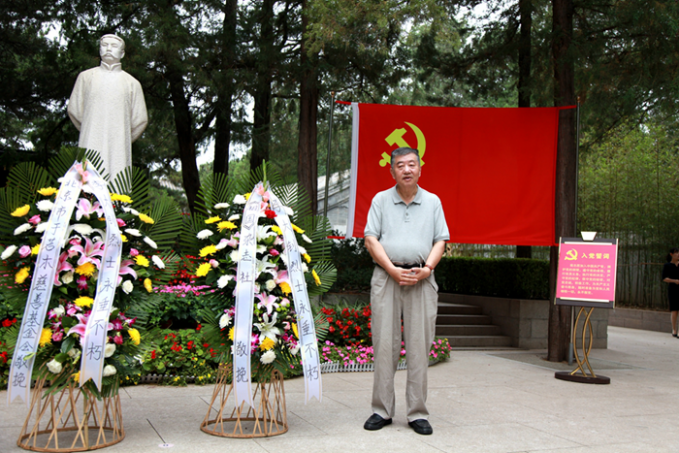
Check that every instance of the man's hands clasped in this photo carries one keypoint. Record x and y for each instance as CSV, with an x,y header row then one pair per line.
x,y
409,277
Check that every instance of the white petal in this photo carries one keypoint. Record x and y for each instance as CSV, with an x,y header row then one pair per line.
x,y
150,242
8,252
82,228
158,262
22,229
45,205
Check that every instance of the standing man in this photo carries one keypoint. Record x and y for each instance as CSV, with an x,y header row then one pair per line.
x,y
107,106
405,235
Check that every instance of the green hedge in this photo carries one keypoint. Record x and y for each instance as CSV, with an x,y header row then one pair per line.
x,y
517,278
499,277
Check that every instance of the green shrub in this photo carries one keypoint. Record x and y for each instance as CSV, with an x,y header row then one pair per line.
x,y
499,277
354,265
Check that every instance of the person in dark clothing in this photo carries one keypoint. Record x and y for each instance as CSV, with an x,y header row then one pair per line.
x,y
670,275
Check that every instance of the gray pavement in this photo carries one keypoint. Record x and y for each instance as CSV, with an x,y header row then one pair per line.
x,y
480,401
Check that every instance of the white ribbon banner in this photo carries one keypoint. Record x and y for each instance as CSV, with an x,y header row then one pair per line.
x,y
305,319
92,361
42,283
245,294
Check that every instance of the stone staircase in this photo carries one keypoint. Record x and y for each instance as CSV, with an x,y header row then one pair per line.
x,y
466,327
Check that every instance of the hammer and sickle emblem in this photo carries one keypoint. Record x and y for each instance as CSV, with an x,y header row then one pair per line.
x,y
396,138
571,255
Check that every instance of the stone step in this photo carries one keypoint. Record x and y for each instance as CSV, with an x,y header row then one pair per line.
x,y
458,309
479,341
459,330
447,320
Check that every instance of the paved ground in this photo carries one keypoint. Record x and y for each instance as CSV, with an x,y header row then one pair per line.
x,y
480,401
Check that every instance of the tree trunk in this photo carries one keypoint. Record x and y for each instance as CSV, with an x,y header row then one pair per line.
x,y
185,138
564,94
524,87
225,89
261,135
307,160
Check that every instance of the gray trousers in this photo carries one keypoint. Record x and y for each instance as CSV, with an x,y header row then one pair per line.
x,y
418,304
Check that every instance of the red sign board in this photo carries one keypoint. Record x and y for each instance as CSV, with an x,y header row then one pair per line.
x,y
586,273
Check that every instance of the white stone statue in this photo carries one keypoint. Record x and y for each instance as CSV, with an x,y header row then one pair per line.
x,y
107,106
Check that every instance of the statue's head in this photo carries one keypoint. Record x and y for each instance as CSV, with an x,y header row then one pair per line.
x,y
111,49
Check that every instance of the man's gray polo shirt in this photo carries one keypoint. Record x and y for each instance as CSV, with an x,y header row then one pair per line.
x,y
407,232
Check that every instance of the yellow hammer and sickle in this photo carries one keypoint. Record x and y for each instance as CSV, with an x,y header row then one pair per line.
x,y
396,138
571,255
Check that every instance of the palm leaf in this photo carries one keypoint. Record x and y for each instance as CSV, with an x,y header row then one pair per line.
x,y
263,173
168,223
215,189
295,197
326,273
63,161
133,181
10,199
27,178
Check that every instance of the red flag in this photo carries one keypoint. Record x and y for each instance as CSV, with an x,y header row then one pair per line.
x,y
492,168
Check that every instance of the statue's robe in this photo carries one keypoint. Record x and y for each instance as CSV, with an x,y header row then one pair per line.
x,y
107,106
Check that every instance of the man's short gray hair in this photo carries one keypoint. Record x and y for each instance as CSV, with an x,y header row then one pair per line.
x,y
122,41
403,151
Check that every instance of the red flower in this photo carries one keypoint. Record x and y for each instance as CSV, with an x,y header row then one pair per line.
x,y
205,345
153,354
200,326
270,214
189,345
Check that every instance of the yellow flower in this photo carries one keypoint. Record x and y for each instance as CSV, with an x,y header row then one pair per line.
x,y
296,228
267,344
214,219
84,301
47,191
231,333
294,330
285,287
226,225
86,269
276,229
22,275
45,337
148,285
306,257
76,376
316,278
146,219
141,260
203,269
22,211
121,198
247,195
35,249
208,250
134,335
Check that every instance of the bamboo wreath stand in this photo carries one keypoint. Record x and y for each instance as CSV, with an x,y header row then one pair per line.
x,y
267,418
71,420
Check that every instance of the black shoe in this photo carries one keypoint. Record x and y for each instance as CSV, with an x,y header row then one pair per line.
x,y
675,335
421,426
376,422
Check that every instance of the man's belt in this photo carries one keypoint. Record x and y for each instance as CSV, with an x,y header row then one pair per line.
x,y
407,265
